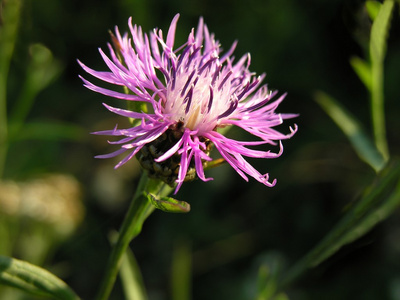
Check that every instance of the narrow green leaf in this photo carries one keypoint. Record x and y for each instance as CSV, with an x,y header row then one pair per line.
x,y
9,20
41,70
377,203
33,279
168,204
373,8
266,283
132,281
268,275
10,14
380,199
181,271
391,203
363,70
377,48
379,31
360,141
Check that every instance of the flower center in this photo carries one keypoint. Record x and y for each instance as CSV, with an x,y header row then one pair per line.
x,y
168,169
191,122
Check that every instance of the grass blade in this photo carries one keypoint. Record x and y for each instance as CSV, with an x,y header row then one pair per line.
x,y
132,281
377,47
360,141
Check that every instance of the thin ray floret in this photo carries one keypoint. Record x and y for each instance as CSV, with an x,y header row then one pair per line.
x,y
191,91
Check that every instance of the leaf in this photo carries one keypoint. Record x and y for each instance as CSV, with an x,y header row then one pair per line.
x,y
9,21
373,8
181,271
33,279
132,281
360,141
378,202
268,275
41,70
168,204
363,70
377,49
380,199
379,31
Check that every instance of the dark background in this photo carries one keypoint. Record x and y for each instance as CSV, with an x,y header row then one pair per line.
x,y
234,226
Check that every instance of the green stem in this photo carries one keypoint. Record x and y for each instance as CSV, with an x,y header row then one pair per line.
x,y
8,34
138,212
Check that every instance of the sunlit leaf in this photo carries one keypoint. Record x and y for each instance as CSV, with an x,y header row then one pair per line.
x,y
373,8
360,141
33,279
379,31
377,49
268,274
363,70
266,284
168,204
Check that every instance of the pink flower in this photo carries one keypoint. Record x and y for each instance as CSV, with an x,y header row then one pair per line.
x,y
192,92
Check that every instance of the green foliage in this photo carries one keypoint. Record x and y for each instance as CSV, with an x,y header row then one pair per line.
x,y
139,210
168,204
294,45
373,8
41,70
363,70
10,14
181,271
352,128
268,277
379,32
377,48
378,202
33,279
132,281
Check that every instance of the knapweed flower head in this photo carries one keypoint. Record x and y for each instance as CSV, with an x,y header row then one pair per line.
x,y
191,91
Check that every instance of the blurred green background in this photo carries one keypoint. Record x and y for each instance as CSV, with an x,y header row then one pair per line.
x,y
234,226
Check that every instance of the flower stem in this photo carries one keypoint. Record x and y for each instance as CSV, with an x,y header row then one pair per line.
x,y
138,212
